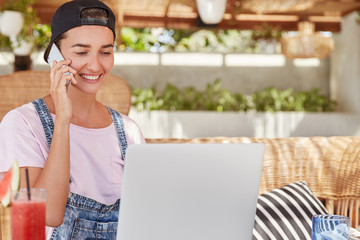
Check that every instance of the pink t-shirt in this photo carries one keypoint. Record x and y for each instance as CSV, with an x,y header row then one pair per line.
x,y
96,165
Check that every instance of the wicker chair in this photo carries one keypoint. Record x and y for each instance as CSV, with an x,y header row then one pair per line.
x,y
22,87
330,166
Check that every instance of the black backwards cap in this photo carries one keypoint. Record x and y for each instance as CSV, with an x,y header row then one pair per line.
x,y
68,16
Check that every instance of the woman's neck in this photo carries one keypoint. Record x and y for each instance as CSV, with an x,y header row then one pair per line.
x,y
86,110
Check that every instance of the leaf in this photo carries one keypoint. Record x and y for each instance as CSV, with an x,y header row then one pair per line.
x,y
216,98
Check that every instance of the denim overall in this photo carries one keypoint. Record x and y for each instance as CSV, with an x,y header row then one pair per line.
x,y
85,218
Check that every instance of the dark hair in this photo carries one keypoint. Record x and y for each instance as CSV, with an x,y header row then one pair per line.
x,y
85,13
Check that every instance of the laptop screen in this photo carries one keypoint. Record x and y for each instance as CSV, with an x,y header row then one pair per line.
x,y
190,191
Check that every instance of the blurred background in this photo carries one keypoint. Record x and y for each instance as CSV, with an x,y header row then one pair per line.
x,y
203,68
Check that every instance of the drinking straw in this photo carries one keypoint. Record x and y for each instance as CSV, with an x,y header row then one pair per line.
x,y
27,183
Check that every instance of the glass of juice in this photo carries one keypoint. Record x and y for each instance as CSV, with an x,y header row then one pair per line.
x,y
28,214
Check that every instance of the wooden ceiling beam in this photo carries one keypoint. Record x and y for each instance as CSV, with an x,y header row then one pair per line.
x,y
189,21
241,23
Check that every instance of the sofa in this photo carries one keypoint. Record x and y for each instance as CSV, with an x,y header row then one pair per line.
x,y
328,168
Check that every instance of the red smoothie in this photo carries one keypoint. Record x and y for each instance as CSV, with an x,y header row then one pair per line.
x,y
28,220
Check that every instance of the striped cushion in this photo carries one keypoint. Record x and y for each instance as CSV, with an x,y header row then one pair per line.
x,y
286,213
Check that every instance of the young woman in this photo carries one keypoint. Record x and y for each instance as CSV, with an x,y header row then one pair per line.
x,y
74,146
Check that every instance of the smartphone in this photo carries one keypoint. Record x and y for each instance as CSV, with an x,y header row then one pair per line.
x,y
56,55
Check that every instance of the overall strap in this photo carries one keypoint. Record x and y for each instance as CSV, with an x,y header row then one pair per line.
x,y
48,123
120,130
45,118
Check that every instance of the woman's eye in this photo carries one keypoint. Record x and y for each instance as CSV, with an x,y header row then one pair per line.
x,y
106,53
80,53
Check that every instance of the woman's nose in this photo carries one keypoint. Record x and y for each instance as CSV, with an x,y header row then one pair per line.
x,y
94,63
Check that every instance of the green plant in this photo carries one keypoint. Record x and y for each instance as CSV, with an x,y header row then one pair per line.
x,y
5,42
265,32
32,30
136,39
274,100
146,99
271,99
215,98
315,102
215,41
160,40
42,35
18,5
148,39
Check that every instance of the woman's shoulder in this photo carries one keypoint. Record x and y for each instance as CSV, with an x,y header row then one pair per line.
x,y
23,114
126,119
132,130
129,122
22,137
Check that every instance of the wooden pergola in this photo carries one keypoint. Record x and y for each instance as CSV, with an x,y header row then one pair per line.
x,y
183,14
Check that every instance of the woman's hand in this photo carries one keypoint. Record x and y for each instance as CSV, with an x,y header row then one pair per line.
x,y
62,103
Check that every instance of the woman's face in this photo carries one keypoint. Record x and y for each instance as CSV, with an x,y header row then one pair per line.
x,y
91,51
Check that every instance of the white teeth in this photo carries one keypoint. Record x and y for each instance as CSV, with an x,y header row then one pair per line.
x,y
91,77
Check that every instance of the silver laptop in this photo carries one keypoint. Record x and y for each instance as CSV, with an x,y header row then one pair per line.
x,y
190,191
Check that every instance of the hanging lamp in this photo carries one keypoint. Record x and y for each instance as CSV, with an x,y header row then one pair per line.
x,y
273,6
306,43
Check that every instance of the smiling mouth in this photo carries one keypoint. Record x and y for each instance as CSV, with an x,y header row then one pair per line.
x,y
91,78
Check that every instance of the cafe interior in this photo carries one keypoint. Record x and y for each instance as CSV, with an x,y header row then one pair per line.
x,y
320,149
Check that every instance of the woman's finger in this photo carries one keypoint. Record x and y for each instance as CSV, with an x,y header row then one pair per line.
x,y
60,88
61,63
66,69
58,70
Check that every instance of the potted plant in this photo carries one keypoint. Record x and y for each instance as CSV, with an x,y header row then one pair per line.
x,y
12,22
20,29
266,38
215,111
17,22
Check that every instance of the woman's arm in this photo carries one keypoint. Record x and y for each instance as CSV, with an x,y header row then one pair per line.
x,y
55,175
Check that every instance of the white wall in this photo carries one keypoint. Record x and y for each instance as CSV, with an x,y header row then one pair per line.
x,y
243,73
345,62
186,124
